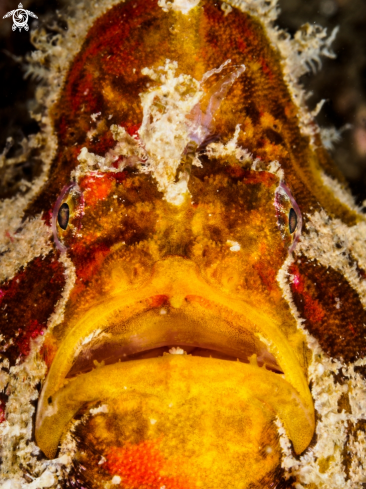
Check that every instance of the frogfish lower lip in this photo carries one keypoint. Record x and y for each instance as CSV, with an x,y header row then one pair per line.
x,y
199,315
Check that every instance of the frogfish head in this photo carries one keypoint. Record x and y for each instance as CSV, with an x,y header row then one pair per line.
x,y
177,193
176,335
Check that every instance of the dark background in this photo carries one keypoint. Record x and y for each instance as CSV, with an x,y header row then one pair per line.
x,y
341,81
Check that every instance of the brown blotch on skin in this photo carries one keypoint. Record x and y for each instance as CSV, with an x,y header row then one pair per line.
x,y
348,456
28,301
332,309
343,403
361,370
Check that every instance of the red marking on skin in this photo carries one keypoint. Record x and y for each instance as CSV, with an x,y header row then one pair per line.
x,y
29,299
48,351
103,143
85,94
268,179
215,16
62,129
143,466
235,171
351,328
47,218
158,301
96,188
116,163
242,45
252,177
266,274
8,235
12,287
120,176
93,263
83,87
313,309
33,330
247,31
132,130
266,69
2,412
296,281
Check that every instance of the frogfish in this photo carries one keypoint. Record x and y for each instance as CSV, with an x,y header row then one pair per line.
x,y
183,283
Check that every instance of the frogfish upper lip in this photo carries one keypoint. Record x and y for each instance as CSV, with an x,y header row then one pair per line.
x,y
124,316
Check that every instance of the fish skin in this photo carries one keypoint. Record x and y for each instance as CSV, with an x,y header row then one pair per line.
x,y
317,293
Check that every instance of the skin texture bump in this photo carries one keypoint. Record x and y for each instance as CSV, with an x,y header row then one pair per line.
x,y
186,306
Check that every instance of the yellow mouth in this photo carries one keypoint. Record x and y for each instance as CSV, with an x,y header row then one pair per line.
x,y
132,325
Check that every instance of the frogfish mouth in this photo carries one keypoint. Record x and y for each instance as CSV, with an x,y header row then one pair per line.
x,y
175,197
227,348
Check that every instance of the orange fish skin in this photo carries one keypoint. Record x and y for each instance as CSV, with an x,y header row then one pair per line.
x,y
181,156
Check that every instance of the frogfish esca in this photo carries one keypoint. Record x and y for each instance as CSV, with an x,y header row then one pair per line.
x,y
183,286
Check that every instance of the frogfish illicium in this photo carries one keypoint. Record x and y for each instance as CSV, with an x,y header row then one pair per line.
x,y
183,285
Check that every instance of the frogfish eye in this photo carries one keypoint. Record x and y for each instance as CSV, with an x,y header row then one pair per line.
x,y
289,218
64,214
68,204
292,220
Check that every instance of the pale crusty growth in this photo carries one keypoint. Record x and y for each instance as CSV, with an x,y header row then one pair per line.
x,y
231,148
56,54
70,277
225,7
34,234
358,445
299,55
126,146
4,368
16,431
166,134
330,136
100,409
21,243
242,155
183,6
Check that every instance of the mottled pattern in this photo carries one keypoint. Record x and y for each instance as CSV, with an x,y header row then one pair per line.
x,y
264,391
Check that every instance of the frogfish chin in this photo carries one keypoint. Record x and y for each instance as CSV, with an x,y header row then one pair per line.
x,y
187,310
